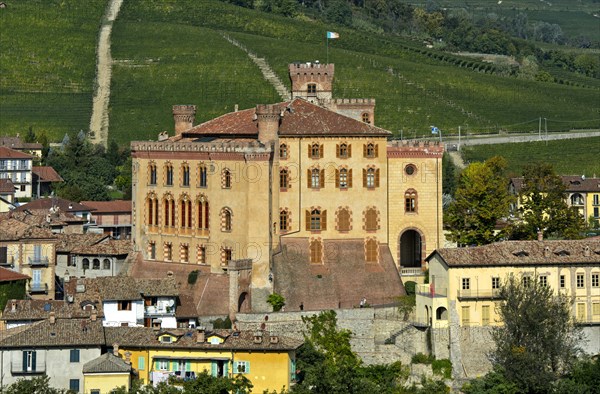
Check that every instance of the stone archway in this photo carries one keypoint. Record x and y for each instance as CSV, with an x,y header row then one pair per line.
x,y
411,248
244,303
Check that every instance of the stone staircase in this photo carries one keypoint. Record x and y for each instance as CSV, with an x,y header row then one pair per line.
x,y
391,340
267,72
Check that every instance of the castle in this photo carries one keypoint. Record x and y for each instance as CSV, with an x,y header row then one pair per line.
x,y
307,198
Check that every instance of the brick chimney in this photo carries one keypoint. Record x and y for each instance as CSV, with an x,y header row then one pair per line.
x,y
540,235
268,117
116,349
52,318
93,315
200,336
184,116
13,305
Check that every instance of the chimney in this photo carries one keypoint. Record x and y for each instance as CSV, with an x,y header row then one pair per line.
x,y
13,305
116,349
128,357
93,315
274,339
200,336
184,116
258,336
235,108
52,317
268,117
586,251
540,235
546,252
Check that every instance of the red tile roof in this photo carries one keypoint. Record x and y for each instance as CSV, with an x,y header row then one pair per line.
x,y
573,183
18,144
6,186
47,203
7,153
300,118
7,275
46,174
109,206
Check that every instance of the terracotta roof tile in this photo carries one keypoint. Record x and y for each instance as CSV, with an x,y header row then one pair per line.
x,y
119,288
7,153
63,332
40,310
6,186
300,118
109,247
68,242
18,144
109,206
106,363
573,183
12,229
62,204
7,275
519,253
46,174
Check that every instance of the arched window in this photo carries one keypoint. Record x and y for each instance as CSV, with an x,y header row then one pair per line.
x,y
343,178
370,150
366,118
283,151
85,264
315,151
311,89
371,219
316,251
203,175
151,210
96,264
226,181
185,212
184,253
410,201
284,178
344,151
576,199
284,220
185,174
168,251
315,179
371,178
202,212
226,219
201,254
169,210
343,219
152,175
371,250
106,264
169,174
316,220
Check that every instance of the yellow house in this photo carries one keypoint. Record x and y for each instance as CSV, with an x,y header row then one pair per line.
x,y
105,373
465,282
312,175
268,361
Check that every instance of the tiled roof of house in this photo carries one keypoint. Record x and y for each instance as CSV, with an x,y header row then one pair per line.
x,y
7,275
121,288
61,203
300,118
40,310
520,253
573,183
12,230
7,153
6,186
106,247
115,206
68,242
106,363
63,332
186,307
147,337
18,144
43,217
46,174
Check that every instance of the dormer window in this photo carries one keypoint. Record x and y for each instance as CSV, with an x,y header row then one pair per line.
x,y
166,339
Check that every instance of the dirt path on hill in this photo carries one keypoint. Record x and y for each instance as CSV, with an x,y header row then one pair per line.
x,y
99,122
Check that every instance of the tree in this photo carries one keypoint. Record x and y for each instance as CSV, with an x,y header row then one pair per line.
x,y
543,206
537,343
277,301
37,385
481,199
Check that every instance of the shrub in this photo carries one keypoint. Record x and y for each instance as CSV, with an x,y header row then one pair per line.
x,y
421,358
220,323
442,367
192,277
277,301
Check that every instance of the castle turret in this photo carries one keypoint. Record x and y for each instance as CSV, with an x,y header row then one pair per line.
x,y
184,116
311,81
267,116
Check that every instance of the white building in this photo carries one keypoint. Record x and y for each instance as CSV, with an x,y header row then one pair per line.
x,y
16,166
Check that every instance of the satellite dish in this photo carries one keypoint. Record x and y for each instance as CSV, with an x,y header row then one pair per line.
x,y
171,302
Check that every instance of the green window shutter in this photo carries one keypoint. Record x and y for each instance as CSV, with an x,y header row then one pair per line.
x,y
174,365
33,362
247,366
24,361
188,365
226,368
213,369
156,365
141,363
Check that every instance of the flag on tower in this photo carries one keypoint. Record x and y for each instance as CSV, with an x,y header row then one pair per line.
x,y
332,34
434,130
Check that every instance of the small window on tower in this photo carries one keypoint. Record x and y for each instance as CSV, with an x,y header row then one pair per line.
x,y
312,89
366,118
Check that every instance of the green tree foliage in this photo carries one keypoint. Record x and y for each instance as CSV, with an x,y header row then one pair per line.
x,y
543,206
537,343
449,175
481,199
37,385
276,301
11,291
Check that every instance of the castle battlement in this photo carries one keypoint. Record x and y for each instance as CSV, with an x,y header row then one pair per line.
x,y
399,149
318,67
359,101
206,147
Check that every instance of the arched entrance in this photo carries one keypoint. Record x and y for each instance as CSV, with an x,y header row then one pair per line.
x,y
441,313
411,248
243,303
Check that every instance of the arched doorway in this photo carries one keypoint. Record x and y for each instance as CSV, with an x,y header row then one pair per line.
x,y
411,249
441,313
243,303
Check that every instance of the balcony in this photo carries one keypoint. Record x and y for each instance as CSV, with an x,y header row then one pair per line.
x,y
427,290
38,288
38,261
473,294
411,271
16,368
159,311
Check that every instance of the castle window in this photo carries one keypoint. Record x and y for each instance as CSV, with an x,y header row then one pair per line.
x,y
410,169
370,150
371,178
226,181
284,179
316,251
311,89
186,213
152,169
152,210
85,264
95,264
203,175
169,174
343,178
152,250
226,256
284,220
576,199
366,118
371,250
168,251
201,254
344,151
315,151
202,213
283,151
343,219
371,220
184,253
316,178
410,201
106,264
169,205
185,175
225,219
316,220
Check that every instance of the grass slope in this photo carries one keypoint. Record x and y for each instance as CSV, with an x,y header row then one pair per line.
x,y
569,157
47,65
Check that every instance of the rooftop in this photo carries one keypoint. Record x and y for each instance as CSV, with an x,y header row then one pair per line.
x,y
61,333
7,275
116,206
27,310
46,174
18,144
7,153
106,363
53,202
